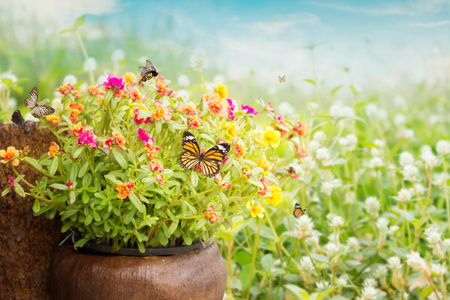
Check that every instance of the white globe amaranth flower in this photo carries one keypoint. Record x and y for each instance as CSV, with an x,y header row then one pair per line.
x,y
320,136
286,109
375,152
309,164
380,143
327,188
323,155
117,56
372,110
425,149
403,196
405,296
446,243
406,159
376,163
322,284
381,271
338,111
353,141
392,229
304,227
433,236
57,105
341,281
349,197
184,94
198,60
410,173
408,133
353,244
443,147
399,120
9,75
326,175
306,265
370,282
313,146
373,206
430,160
91,65
433,296
438,270
70,79
440,179
337,222
394,263
331,248
368,293
343,143
416,262
382,224
12,103
183,80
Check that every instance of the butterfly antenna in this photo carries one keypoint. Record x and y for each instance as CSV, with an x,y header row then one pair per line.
x,y
71,233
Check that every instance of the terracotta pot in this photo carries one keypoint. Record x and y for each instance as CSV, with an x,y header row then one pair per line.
x,y
199,274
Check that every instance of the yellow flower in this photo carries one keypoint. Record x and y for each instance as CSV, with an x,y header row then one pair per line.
x,y
255,210
276,197
221,90
231,129
258,139
265,164
272,137
128,78
8,154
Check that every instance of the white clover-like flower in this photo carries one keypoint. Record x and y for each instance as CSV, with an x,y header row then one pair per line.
x,y
69,79
313,146
382,224
323,156
375,152
353,244
399,120
370,282
410,173
408,133
416,262
405,296
433,119
337,222
341,281
392,229
425,149
326,175
433,296
327,188
117,56
420,189
438,270
375,163
319,136
285,109
57,105
304,227
12,103
306,265
368,293
309,164
433,235
183,80
90,65
446,243
331,248
443,147
394,263
352,141
406,159
322,284
373,206
404,195
349,197
198,60
380,143
440,179
430,160
313,240
343,143
338,111
372,110
381,271
9,75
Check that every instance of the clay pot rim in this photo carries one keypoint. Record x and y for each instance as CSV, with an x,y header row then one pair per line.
x,y
158,251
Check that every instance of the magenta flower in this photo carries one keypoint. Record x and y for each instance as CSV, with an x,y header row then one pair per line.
x,y
249,109
139,121
279,118
69,184
11,179
87,137
231,108
12,185
143,135
114,83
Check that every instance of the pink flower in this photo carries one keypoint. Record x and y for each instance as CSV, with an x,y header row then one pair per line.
x,y
301,151
249,109
143,135
139,121
279,118
268,107
130,185
157,166
266,184
231,108
114,83
160,180
226,185
87,137
218,177
108,142
12,185
69,184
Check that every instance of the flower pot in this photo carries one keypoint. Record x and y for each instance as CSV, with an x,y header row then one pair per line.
x,y
26,242
197,274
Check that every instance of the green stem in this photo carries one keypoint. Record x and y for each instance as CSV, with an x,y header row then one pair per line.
x,y
255,252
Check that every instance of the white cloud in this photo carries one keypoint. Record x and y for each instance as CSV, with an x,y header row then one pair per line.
x,y
431,24
376,11
281,23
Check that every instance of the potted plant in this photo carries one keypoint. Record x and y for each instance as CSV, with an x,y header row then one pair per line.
x,y
133,165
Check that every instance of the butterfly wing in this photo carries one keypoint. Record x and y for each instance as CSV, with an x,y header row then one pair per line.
x,y
31,101
42,110
191,154
211,160
17,118
150,67
143,71
298,211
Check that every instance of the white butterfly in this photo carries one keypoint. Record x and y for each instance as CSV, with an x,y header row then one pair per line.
x,y
37,110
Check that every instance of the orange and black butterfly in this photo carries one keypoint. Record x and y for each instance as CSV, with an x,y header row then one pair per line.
x,y
209,162
298,211
148,71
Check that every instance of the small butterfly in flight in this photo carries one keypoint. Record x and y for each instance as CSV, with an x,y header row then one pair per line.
x,y
147,72
209,162
37,110
282,79
17,118
298,211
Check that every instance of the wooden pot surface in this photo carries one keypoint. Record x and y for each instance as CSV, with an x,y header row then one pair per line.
x,y
193,275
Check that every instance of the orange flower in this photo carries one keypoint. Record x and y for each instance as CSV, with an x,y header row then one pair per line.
x,y
216,105
129,78
189,108
65,89
8,154
226,185
300,128
53,119
158,114
77,129
94,90
117,139
239,148
123,190
152,155
76,94
75,105
53,149
163,88
194,122
301,151
74,113
266,184
100,101
136,95
160,180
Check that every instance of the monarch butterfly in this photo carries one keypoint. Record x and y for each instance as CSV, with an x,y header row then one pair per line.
x,y
148,72
209,162
37,110
298,211
17,118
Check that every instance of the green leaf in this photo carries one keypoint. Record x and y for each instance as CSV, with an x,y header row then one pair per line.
x,y
172,228
88,220
81,242
194,178
6,191
320,257
353,89
409,217
111,178
33,162
141,247
325,293
79,22
72,197
59,186
297,291
267,263
65,31
119,158
136,202
311,81
190,207
36,206
54,166
83,170
77,151
255,183
19,190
